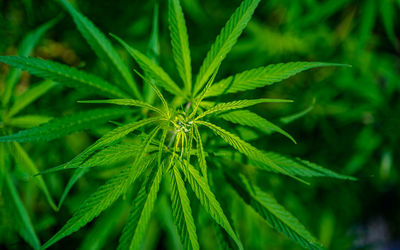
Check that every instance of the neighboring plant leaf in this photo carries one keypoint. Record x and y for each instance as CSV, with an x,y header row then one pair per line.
x,y
260,77
290,118
225,41
59,127
30,96
66,75
22,159
25,49
276,215
26,229
388,9
180,43
28,121
102,46
182,211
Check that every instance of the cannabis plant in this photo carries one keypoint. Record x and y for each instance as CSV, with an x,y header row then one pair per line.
x,y
173,141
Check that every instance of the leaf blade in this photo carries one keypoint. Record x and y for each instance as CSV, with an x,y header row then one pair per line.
x,y
182,211
63,74
225,41
180,42
263,76
152,69
59,127
101,46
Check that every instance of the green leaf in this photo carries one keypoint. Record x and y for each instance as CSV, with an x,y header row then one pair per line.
x,y
247,149
145,213
127,102
29,167
66,75
276,215
103,230
30,96
107,156
200,152
182,211
152,70
25,49
368,18
104,141
28,121
388,18
301,167
209,202
134,214
248,118
102,47
99,201
59,127
180,43
26,229
225,41
260,77
290,118
153,53
226,106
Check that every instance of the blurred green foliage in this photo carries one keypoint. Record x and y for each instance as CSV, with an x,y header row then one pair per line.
x,y
352,124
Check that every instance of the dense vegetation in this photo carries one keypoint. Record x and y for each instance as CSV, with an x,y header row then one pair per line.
x,y
129,125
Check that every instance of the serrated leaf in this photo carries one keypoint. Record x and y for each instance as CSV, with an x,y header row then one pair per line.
x,y
200,152
25,49
104,141
182,211
102,46
99,201
111,137
225,41
63,74
221,107
29,167
276,215
145,213
263,76
247,149
153,53
59,127
209,202
127,102
107,156
30,96
299,167
152,70
133,218
248,118
180,43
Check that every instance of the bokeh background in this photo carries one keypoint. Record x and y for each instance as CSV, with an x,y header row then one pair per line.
x,y
351,125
